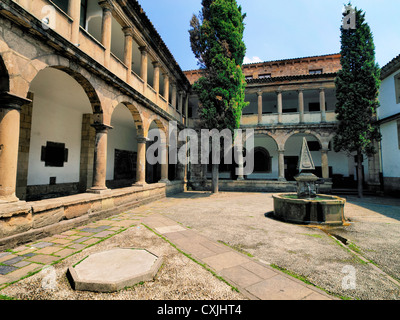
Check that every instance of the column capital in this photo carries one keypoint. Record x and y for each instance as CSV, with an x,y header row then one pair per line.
x,y
141,139
128,31
11,101
106,5
143,49
321,89
101,127
156,64
259,92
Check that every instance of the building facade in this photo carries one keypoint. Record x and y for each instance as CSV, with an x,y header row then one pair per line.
x,y
389,121
82,83
288,100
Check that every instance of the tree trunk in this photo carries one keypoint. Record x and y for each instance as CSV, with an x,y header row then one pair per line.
x,y
215,178
359,174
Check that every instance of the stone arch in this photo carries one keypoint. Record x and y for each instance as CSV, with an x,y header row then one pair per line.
x,y
159,123
309,132
32,68
263,166
62,111
86,85
135,112
274,137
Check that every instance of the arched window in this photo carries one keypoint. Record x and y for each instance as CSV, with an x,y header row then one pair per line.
x,y
262,160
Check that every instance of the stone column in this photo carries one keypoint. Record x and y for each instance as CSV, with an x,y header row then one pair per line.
x,y
156,79
141,162
106,29
100,158
324,164
260,106
186,106
301,106
164,164
240,163
143,66
281,165
166,86
10,107
128,31
180,102
279,105
174,93
74,11
322,104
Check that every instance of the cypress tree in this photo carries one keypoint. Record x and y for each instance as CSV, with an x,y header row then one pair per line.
x,y
216,37
357,88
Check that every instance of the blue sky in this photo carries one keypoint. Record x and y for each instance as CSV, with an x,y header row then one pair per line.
x,y
281,29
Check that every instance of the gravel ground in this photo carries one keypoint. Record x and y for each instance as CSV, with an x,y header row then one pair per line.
x,y
367,257
244,221
179,278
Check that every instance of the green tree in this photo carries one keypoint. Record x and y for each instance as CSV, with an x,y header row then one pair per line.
x,y
357,88
216,37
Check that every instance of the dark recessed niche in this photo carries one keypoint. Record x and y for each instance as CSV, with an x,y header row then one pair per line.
x,y
54,154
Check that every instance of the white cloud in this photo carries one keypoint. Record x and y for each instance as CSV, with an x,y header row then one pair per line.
x,y
251,60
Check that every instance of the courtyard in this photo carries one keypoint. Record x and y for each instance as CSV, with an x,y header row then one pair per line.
x,y
356,261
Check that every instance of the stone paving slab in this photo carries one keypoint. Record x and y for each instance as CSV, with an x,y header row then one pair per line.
x,y
254,279
31,257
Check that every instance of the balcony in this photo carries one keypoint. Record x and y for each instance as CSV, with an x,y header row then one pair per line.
x,y
287,118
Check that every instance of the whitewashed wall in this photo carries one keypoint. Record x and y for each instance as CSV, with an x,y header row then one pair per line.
x,y
58,105
122,136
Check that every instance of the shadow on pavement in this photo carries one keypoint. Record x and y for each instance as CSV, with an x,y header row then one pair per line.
x,y
389,207
191,195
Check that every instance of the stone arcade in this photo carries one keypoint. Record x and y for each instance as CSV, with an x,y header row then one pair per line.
x,y
83,82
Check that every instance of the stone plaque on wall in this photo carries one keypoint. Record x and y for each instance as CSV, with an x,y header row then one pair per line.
x,y
124,164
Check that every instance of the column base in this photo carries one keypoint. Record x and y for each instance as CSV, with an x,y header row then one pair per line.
x,y
9,199
166,181
282,179
98,190
140,184
240,178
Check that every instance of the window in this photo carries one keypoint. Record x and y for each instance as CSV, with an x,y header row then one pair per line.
x,y
249,77
62,4
313,106
264,76
83,13
262,160
315,71
397,87
54,154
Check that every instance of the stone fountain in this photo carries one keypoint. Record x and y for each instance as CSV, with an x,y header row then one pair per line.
x,y
307,206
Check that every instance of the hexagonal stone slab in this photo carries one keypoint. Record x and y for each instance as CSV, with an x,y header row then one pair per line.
x,y
112,270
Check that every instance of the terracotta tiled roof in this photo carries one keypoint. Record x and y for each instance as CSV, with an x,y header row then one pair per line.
x,y
156,38
337,55
295,77
390,67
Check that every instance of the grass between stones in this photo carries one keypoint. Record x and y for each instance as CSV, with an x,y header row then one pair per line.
x,y
61,259
305,280
193,259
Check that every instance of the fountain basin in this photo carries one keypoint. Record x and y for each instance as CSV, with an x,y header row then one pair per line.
x,y
323,209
